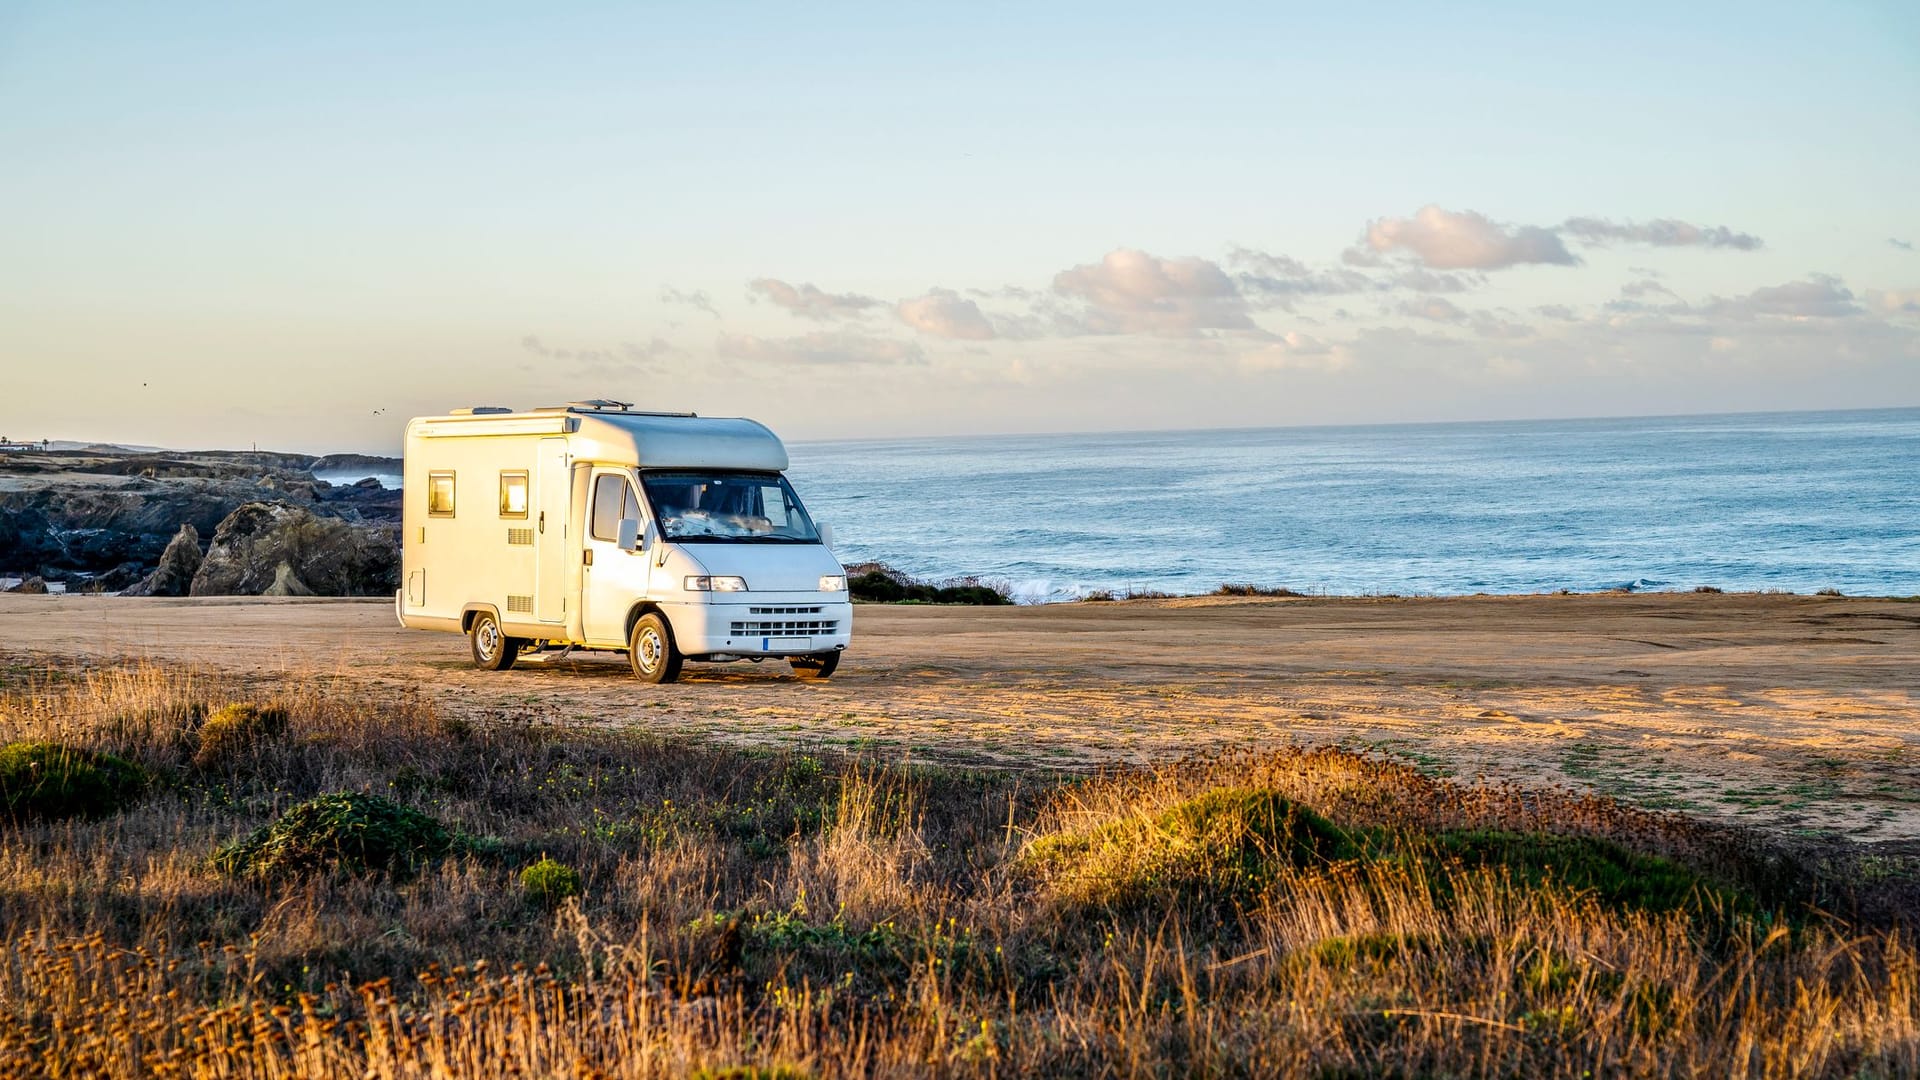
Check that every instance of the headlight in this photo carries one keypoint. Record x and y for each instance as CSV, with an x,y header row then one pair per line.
x,y
703,583
833,583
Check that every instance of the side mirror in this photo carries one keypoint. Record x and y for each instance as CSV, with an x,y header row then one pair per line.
x,y
826,532
629,534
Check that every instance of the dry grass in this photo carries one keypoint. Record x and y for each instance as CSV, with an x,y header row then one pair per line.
x,y
827,916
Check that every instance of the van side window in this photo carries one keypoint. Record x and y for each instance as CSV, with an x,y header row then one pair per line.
x,y
440,494
513,494
613,499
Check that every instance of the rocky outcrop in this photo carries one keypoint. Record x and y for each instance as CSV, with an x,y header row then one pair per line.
x,y
178,565
103,520
279,549
33,585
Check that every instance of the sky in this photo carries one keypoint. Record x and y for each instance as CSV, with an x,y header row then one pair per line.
x,y
296,226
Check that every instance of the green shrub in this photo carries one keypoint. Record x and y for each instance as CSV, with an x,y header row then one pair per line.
x,y
548,882
1603,869
887,587
351,832
1224,845
48,781
237,729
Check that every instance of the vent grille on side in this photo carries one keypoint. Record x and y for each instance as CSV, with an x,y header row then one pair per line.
x,y
784,628
520,605
523,537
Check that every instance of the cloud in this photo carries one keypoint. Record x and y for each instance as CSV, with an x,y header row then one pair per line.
x,y
629,357
1132,291
1433,309
698,300
1269,280
1903,245
945,313
1818,297
822,347
811,303
1294,351
1660,232
1441,239
1895,301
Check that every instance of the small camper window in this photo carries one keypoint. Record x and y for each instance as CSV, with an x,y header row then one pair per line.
x,y
513,494
440,494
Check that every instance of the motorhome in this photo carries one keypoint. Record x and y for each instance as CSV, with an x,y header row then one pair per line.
x,y
669,536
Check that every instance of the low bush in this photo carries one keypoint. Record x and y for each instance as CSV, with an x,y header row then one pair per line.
x,y
878,584
352,832
49,781
548,882
237,729
1232,589
1220,847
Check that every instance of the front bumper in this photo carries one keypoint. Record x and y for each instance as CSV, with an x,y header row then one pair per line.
x,y
762,624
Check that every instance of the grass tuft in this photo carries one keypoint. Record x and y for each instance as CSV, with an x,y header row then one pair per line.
x,y
352,832
548,882
50,781
236,730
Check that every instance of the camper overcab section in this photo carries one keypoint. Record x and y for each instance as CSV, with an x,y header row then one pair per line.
x,y
670,536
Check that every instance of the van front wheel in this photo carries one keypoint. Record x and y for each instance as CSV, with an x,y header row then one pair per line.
x,y
815,666
493,650
651,650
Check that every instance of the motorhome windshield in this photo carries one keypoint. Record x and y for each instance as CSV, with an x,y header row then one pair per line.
x,y
727,507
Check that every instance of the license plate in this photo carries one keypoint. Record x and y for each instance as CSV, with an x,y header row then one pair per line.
x,y
786,644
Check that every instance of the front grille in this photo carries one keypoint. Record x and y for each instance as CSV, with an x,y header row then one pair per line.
x,y
784,610
520,605
787,628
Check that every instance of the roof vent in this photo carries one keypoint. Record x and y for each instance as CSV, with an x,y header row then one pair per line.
x,y
601,405
480,410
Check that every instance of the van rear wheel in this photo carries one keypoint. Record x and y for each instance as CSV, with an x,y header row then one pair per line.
x,y
493,650
651,651
815,665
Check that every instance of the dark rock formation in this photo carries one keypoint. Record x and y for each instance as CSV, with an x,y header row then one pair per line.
x,y
103,519
279,549
31,585
178,565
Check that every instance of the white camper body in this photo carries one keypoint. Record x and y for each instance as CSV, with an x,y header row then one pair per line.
x,y
670,536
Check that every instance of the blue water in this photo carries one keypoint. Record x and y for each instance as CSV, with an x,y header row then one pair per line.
x,y
1792,501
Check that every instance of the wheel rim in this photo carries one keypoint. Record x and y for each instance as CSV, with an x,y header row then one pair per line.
x,y
651,648
488,638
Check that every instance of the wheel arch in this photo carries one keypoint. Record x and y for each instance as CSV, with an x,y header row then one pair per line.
x,y
467,615
643,608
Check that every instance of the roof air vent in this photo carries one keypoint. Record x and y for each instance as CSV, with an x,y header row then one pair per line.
x,y
480,410
601,405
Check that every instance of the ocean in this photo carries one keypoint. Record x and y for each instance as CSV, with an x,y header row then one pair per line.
x,y
1785,501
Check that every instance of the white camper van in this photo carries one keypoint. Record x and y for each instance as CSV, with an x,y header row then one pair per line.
x,y
670,536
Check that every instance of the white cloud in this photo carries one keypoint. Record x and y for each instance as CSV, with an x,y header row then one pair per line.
x,y
1903,245
1660,232
1433,309
822,347
1441,239
1818,297
697,300
1132,291
1294,351
1895,301
945,313
809,302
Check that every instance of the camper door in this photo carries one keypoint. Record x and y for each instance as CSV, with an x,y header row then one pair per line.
x,y
614,578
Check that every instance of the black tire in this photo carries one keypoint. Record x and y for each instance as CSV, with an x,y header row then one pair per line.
x,y
651,651
815,665
493,650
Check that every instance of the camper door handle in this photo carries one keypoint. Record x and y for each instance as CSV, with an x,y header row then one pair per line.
x,y
543,521
586,557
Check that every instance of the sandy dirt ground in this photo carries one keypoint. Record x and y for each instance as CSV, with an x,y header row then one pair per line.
x,y
1790,712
